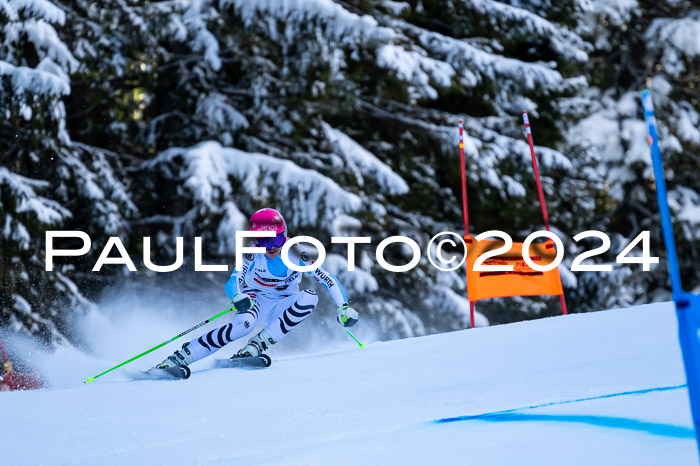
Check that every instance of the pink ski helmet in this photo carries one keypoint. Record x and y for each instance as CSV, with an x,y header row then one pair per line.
x,y
269,220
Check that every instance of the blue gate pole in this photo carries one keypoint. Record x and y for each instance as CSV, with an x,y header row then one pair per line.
x,y
687,304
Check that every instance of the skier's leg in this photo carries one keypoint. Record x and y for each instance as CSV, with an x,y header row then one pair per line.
x,y
289,315
286,315
242,324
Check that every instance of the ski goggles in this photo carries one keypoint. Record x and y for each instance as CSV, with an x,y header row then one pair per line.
x,y
267,243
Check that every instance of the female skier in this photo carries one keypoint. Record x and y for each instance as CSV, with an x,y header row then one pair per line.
x,y
265,291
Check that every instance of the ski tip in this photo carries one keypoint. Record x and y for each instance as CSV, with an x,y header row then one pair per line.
x,y
178,372
266,359
91,379
252,362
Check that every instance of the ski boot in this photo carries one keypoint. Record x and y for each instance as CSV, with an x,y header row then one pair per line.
x,y
181,357
256,345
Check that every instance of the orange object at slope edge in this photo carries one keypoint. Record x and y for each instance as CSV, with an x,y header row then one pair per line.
x,y
522,281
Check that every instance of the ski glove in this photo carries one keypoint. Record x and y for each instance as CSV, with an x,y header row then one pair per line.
x,y
347,315
242,302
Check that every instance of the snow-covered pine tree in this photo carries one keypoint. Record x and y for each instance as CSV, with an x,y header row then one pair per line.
x,y
47,181
637,45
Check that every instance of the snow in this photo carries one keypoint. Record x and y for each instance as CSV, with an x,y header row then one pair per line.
x,y
563,41
683,34
177,28
37,80
450,305
628,105
45,39
219,115
599,388
396,8
234,220
208,167
39,9
359,160
415,68
99,184
677,38
9,10
514,188
21,304
19,235
549,157
337,22
45,210
635,131
345,225
203,40
600,133
461,54
686,203
359,281
617,12
688,123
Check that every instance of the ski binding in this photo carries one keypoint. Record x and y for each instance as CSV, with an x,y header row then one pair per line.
x,y
260,361
178,372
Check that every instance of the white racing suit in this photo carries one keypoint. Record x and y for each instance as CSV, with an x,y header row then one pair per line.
x,y
277,301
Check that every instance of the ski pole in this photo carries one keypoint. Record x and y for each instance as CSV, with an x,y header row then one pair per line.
x,y
362,345
232,308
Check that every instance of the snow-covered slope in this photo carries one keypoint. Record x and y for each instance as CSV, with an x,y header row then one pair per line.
x,y
601,388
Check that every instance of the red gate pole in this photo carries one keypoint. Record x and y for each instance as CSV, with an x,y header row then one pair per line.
x,y
528,131
465,209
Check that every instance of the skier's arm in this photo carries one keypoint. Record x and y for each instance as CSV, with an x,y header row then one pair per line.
x,y
332,284
322,276
237,278
346,314
232,288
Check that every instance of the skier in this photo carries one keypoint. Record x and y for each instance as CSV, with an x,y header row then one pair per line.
x,y
265,291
